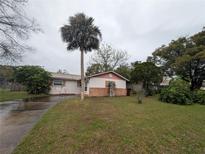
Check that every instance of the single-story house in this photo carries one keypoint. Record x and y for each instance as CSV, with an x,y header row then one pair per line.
x,y
101,84
165,81
63,84
203,85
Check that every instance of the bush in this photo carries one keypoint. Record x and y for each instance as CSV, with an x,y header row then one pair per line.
x,y
199,97
178,92
34,78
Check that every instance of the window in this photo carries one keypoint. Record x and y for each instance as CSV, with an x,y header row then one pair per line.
x,y
58,82
79,83
108,83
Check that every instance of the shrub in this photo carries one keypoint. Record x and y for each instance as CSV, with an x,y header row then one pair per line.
x,y
34,78
178,92
199,97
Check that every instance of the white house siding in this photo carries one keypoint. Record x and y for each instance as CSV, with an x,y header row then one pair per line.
x,y
69,87
97,82
203,85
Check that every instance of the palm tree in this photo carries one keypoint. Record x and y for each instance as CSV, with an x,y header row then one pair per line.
x,y
81,34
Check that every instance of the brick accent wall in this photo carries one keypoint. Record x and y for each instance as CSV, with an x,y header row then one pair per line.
x,y
121,92
105,92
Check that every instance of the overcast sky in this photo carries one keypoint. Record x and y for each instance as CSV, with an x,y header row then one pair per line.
x,y
137,26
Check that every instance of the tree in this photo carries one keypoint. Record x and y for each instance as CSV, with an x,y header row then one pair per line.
x,y
94,69
109,58
178,92
15,27
6,75
147,73
81,34
6,72
124,70
34,78
184,57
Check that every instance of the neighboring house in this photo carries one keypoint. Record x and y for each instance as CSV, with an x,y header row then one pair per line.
x,y
203,85
96,85
165,81
63,84
99,84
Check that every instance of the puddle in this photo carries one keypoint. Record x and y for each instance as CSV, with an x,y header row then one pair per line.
x,y
18,117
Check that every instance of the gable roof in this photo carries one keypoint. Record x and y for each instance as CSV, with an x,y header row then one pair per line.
x,y
65,76
99,74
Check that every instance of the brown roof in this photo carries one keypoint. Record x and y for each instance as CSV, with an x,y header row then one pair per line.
x,y
78,77
65,76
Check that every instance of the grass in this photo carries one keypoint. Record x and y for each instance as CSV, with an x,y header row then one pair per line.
x,y
6,95
117,125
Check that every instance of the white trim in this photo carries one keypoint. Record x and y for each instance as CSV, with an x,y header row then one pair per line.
x,y
102,73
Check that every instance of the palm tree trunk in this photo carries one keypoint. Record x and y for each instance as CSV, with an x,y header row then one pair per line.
x,y
82,75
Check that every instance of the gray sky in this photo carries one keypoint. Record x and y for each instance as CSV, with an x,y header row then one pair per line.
x,y
137,26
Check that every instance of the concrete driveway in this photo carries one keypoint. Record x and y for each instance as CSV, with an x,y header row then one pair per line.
x,y
18,117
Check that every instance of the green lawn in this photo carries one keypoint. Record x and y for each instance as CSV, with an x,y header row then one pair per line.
x,y
6,95
118,125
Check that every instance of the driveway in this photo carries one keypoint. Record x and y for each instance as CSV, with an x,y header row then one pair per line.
x,y
18,117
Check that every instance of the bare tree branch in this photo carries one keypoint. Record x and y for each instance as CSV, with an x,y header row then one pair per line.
x,y
15,27
109,58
